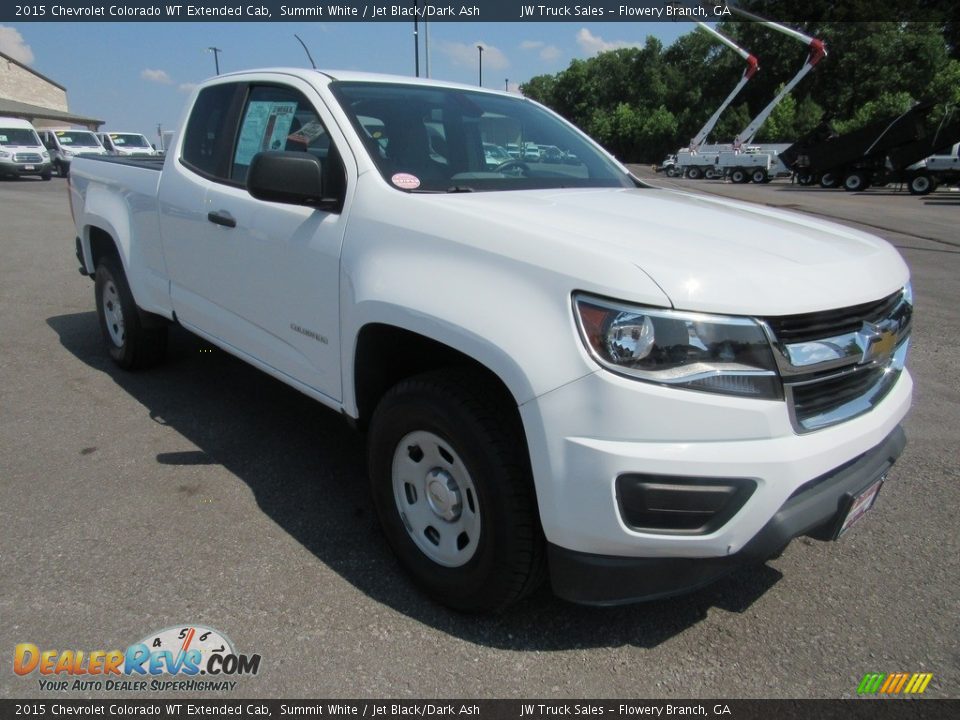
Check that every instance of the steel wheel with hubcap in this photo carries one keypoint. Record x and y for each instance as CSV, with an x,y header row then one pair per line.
x,y
452,488
133,339
436,498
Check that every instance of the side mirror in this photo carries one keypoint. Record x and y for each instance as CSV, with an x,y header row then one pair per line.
x,y
286,177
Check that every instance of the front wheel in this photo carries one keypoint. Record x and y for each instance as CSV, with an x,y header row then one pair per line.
x,y
130,344
451,488
63,169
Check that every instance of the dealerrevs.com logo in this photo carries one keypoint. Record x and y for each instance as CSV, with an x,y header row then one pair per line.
x,y
185,657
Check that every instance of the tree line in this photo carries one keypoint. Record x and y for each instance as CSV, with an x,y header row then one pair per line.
x,y
644,102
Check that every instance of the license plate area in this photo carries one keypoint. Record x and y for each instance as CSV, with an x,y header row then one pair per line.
x,y
29,167
858,505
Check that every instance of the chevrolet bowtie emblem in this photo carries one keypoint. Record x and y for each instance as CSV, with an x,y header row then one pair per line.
x,y
876,341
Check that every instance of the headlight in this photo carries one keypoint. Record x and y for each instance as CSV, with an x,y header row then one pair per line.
x,y
711,353
45,155
4,154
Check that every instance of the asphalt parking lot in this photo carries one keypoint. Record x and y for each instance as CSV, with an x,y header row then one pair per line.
x,y
206,492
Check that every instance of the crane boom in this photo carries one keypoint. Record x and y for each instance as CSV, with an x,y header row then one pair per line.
x,y
817,52
751,69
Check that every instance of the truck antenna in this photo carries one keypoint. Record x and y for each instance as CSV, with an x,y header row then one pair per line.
x,y
309,56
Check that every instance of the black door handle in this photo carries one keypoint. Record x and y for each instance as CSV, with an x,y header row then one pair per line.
x,y
221,219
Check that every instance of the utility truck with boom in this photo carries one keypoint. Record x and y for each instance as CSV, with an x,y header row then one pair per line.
x,y
560,371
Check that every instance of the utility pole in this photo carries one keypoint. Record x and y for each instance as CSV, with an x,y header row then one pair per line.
x,y
216,57
426,44
416,39
480,49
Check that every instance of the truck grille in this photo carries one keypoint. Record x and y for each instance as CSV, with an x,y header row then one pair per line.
x,y
839,364
830,323
27,158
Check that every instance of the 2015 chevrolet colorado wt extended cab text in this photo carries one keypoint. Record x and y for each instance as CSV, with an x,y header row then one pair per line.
x,y
560,370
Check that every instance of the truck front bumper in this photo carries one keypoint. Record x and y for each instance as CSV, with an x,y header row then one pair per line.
x,y
19,168
815,510
590,437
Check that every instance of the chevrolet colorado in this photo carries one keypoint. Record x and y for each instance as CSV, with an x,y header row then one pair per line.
x,y
560,370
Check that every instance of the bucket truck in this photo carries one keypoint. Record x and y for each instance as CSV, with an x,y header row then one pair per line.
x,y
741,162
692,160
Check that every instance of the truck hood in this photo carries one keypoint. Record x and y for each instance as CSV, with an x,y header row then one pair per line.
x,y
706,254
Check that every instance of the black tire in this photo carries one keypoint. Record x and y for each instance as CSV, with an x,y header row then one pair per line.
x,y
829,180
805,179
457,412
921,184
759,176
856,181
739,176
672,172
63,169
130,344
45,176
694,173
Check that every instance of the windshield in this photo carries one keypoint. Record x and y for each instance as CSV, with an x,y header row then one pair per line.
x,y
129,140
429,139
77,137
18,136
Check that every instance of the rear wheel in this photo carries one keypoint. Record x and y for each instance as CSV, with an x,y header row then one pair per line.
x,y
805,179
829,180
130,344
759,176
921,184
452,490
739,176
694,173
856,181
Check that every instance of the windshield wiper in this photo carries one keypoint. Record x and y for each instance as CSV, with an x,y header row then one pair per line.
x,y
460,189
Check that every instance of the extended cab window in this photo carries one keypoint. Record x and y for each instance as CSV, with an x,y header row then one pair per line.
x,y
279,118
208,139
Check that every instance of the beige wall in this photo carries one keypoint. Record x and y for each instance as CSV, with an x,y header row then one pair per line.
x,y
23,86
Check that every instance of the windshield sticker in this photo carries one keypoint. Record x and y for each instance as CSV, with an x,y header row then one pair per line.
x,y
265,127
406,181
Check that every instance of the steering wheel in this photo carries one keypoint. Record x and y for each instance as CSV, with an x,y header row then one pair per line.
x,y
513,163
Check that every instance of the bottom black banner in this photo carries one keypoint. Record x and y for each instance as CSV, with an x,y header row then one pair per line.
x,y
872,709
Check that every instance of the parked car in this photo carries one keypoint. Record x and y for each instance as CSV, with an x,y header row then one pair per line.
x,y
21,152
630,390
495,155
551,154
64,145
126,143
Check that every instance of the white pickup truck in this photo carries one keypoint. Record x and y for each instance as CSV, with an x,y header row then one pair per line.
x,y
560,370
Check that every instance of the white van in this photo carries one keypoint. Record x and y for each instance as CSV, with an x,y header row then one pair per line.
x,y
21,152
65,144
126,143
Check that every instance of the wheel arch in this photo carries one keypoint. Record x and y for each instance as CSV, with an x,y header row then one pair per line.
x,y
385,354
